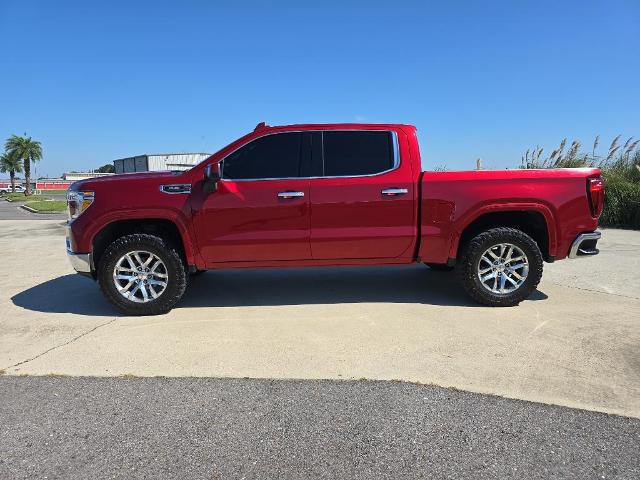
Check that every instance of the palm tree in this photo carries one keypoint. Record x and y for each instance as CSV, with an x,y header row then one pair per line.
x,y
26,150
9,162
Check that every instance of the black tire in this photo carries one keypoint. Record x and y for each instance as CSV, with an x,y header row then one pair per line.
x,y
468,266
439,267
175,270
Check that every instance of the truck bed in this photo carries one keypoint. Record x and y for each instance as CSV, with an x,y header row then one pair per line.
x,y
451,201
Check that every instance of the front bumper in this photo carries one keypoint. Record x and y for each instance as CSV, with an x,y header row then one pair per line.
x,y
81,262
585,245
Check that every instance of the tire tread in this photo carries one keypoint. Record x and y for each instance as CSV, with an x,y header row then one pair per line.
x,y
172,258
475,248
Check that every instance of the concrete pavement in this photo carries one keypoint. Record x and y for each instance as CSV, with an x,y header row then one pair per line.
x,y
574,343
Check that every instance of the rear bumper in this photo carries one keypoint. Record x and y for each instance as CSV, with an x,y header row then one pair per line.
x,y
585,245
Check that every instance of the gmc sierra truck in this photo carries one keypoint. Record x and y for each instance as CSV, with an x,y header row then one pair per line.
x,y
328,195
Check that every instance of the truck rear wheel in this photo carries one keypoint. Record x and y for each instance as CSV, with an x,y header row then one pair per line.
x,y
142,275
501,267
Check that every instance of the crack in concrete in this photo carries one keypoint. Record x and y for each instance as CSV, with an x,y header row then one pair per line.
x,y
595,291
62,344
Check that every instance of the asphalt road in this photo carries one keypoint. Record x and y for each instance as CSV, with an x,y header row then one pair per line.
x,y
57,196
231,429
12,211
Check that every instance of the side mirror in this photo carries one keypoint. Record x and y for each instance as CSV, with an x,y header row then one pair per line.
x,y
211,178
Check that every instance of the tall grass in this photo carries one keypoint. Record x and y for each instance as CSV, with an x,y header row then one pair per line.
x,y
620,166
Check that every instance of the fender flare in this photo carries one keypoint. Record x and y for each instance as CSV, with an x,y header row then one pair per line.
x,y
178,218
540,208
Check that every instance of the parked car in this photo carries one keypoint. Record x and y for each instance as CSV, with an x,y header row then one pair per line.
x,y
7,189
328,195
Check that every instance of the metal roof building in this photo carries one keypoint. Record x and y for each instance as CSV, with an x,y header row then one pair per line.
x,y
158,162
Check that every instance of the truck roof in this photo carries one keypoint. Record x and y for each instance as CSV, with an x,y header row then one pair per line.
x,y
309,126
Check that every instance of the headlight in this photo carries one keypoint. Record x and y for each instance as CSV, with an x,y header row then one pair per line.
x,y
78,202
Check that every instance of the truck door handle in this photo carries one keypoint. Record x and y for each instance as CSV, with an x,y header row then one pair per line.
x,y
393,192
290,194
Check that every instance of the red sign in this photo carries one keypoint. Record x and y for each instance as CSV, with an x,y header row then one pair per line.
x,y
52,185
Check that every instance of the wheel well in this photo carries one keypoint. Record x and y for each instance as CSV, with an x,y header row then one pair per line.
x,y
530,222
165,229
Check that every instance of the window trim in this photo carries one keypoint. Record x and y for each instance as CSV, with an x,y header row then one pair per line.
x,y
396,156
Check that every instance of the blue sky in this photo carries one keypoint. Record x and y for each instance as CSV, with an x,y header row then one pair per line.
x,y
95,81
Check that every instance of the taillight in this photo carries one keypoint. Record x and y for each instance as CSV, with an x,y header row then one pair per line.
x,y
595,189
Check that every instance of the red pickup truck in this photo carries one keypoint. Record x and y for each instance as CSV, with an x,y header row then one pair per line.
x,y
334,194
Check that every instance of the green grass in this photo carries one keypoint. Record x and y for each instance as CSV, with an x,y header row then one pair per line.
x,y
47,206
53,192
21,197
620,168
622,204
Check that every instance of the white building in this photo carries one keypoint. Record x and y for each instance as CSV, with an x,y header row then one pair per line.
x,y
158,162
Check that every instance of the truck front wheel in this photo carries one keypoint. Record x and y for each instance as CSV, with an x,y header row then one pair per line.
x,y
501,267
142,274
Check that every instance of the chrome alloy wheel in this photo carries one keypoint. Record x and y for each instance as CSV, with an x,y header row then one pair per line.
x,y
503,268
140,276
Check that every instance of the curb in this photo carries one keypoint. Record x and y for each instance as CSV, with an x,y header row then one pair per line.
x,y
33,210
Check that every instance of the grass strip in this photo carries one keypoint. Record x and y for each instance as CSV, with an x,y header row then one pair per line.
x,y
47,206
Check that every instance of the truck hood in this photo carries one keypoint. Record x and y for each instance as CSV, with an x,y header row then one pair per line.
x,y
123,178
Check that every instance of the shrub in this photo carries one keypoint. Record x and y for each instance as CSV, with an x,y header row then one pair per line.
x,y
622,204
620,168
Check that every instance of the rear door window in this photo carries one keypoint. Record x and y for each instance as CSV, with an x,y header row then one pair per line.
x,y
353,153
